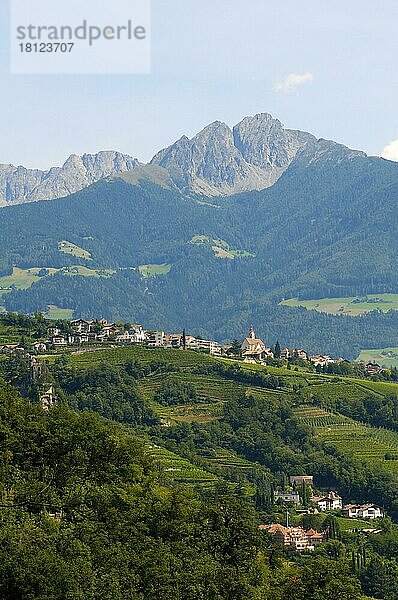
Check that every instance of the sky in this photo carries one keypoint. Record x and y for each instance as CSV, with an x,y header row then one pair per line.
x,y
324,67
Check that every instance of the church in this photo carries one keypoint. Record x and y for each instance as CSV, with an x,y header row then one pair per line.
x,y
254,348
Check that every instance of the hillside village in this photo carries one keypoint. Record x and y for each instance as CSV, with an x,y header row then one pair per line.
x,y
208,417
298,495
300,498
85,334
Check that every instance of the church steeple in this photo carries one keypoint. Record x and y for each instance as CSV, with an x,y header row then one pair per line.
x,y
252,335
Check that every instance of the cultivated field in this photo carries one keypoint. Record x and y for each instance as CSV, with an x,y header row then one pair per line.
x,y
386,357
73,250
352,306
366,443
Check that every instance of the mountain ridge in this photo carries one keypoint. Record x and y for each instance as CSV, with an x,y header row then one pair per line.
x,y
19,185
217,161
326,228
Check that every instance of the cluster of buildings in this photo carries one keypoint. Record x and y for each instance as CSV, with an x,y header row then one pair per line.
x,y
362,511
372,368
295,537
253,349
298,538
327,502
86,332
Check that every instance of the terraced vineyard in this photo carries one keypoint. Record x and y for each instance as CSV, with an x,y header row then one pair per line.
x,y
119,356
364,442
224,459
212,391
317,417
208,387
179,468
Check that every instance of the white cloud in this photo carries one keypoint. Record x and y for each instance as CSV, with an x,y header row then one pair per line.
x,y
293,81
390,152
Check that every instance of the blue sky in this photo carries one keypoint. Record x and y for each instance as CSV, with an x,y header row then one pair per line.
x,y
217,59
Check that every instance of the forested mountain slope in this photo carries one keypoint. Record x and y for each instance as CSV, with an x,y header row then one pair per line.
x,y
326,227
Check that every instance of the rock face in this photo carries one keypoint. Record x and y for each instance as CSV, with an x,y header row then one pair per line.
x,y
220,161
19,185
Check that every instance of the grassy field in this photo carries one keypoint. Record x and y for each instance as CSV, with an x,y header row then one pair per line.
x,y
56,313
221,248
154,270
22,279
73,250
352,306
347,524
86,272
386,357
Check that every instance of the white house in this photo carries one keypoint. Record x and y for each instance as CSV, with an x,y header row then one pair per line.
x,y
51,331
58,341
135,335
155,339
321,361
80,326
138,333
296,480
173,340
331,501
363,511
39,347
286,496
209,346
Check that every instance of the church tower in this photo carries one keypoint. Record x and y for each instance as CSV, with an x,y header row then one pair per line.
x,y
252,335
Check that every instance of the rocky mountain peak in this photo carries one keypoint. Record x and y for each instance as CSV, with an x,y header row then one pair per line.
x,y
19,185
219,160
216,161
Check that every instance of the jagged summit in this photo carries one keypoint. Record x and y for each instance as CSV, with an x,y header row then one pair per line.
x,y
19,184
216,161
220,160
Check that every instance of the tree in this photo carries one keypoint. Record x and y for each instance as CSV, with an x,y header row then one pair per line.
x,y
323,579
277,351
332,527
235,348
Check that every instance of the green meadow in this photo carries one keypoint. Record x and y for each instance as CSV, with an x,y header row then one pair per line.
x,y
386,357
154,270
55,313
352,307
221,248
73,250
